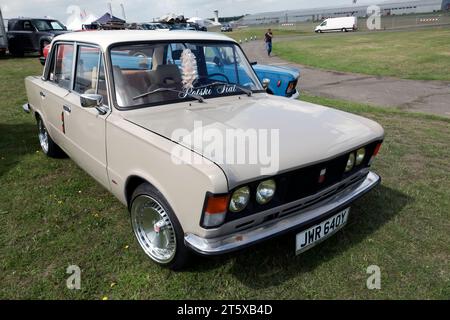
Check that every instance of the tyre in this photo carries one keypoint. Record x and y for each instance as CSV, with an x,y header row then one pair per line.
x,y
157,229
15,50
48,146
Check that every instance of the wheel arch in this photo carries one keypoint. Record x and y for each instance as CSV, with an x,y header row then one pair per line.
x,y
132,183
38,115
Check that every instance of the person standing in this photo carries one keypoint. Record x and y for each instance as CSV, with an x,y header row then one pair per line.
x,y
268,40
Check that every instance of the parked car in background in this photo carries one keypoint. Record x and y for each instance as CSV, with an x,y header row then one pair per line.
x,y
343,24
282,80
32,35
181,26
152,26
126,107
3,37
226,28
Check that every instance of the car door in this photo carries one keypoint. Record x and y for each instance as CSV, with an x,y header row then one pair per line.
x,y
25,35
55,89
85,128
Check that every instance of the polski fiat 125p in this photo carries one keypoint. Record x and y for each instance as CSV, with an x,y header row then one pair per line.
x,y
150,116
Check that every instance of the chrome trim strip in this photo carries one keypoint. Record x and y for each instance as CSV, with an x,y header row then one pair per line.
x,y
245,238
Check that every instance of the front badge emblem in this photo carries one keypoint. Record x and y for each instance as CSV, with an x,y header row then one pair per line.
x,y
322,175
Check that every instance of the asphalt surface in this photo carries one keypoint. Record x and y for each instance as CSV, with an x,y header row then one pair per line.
x,y
412,95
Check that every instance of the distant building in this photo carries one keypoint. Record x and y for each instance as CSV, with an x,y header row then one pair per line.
x,y
387,8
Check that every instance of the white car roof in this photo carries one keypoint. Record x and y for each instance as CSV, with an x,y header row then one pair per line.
x,y
105,38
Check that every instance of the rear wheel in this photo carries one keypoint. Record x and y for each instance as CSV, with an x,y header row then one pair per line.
x,y
157,229
48,146
15,49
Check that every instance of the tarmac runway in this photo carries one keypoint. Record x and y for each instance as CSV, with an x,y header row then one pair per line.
x,y
412,95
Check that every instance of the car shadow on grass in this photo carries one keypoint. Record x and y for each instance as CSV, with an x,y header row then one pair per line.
x,y
17,140
274,262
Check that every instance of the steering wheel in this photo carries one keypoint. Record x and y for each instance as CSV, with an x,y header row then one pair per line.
x,y
140,54
218,74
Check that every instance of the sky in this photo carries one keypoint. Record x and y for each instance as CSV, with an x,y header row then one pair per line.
x,y
146,10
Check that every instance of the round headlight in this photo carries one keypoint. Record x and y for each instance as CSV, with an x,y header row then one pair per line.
x,y
360,154
265,191
239,199
350,162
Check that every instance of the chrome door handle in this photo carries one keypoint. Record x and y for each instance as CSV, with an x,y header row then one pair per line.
x,y
42,94
67,108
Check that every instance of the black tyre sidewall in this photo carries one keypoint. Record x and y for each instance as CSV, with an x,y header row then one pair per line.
x,y
15,50
54,151
182,253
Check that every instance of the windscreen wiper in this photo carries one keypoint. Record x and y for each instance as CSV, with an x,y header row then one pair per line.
x,y
248,92
187,94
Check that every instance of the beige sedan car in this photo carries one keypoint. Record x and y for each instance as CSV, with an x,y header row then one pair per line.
x,y
178,127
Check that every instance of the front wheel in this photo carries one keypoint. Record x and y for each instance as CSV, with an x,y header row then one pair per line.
x,y
157,229
48,146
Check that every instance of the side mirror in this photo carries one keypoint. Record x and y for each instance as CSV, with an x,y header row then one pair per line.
x,y
91,100
266,83
253,63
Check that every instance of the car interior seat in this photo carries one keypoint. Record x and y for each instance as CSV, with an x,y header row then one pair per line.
x,y
124,91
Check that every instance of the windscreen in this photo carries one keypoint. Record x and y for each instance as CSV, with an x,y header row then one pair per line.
x,y
168,72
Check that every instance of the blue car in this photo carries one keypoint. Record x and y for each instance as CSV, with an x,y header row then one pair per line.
x,y
283,80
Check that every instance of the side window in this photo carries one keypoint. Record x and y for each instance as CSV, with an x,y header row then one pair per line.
x,y
90,72
62,72
27,26
86,75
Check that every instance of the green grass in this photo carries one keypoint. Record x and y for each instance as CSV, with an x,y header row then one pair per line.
x,y
53,215
279,32
419,54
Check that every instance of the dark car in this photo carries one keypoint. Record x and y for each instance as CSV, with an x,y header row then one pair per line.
x,y
32,35
181,26
226,28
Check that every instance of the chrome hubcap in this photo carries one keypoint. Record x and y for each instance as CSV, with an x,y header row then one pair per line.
x,y
43,136
153,229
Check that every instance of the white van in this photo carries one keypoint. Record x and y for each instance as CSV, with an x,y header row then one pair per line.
x,y
338,24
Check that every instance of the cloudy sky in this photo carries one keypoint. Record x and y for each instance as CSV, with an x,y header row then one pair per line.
x,y
145,10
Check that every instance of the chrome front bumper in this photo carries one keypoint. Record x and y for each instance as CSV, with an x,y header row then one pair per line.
x,y
296,221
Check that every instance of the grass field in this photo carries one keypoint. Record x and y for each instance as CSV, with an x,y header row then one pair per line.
x,y
53,215
418,54
258,32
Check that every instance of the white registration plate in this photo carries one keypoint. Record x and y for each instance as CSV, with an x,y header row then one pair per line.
x,y
309,238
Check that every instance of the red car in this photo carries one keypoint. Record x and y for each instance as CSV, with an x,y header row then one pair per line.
x,y
45,52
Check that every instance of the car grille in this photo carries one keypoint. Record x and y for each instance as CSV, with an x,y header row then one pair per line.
x,y
306,203
304,183
327,194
